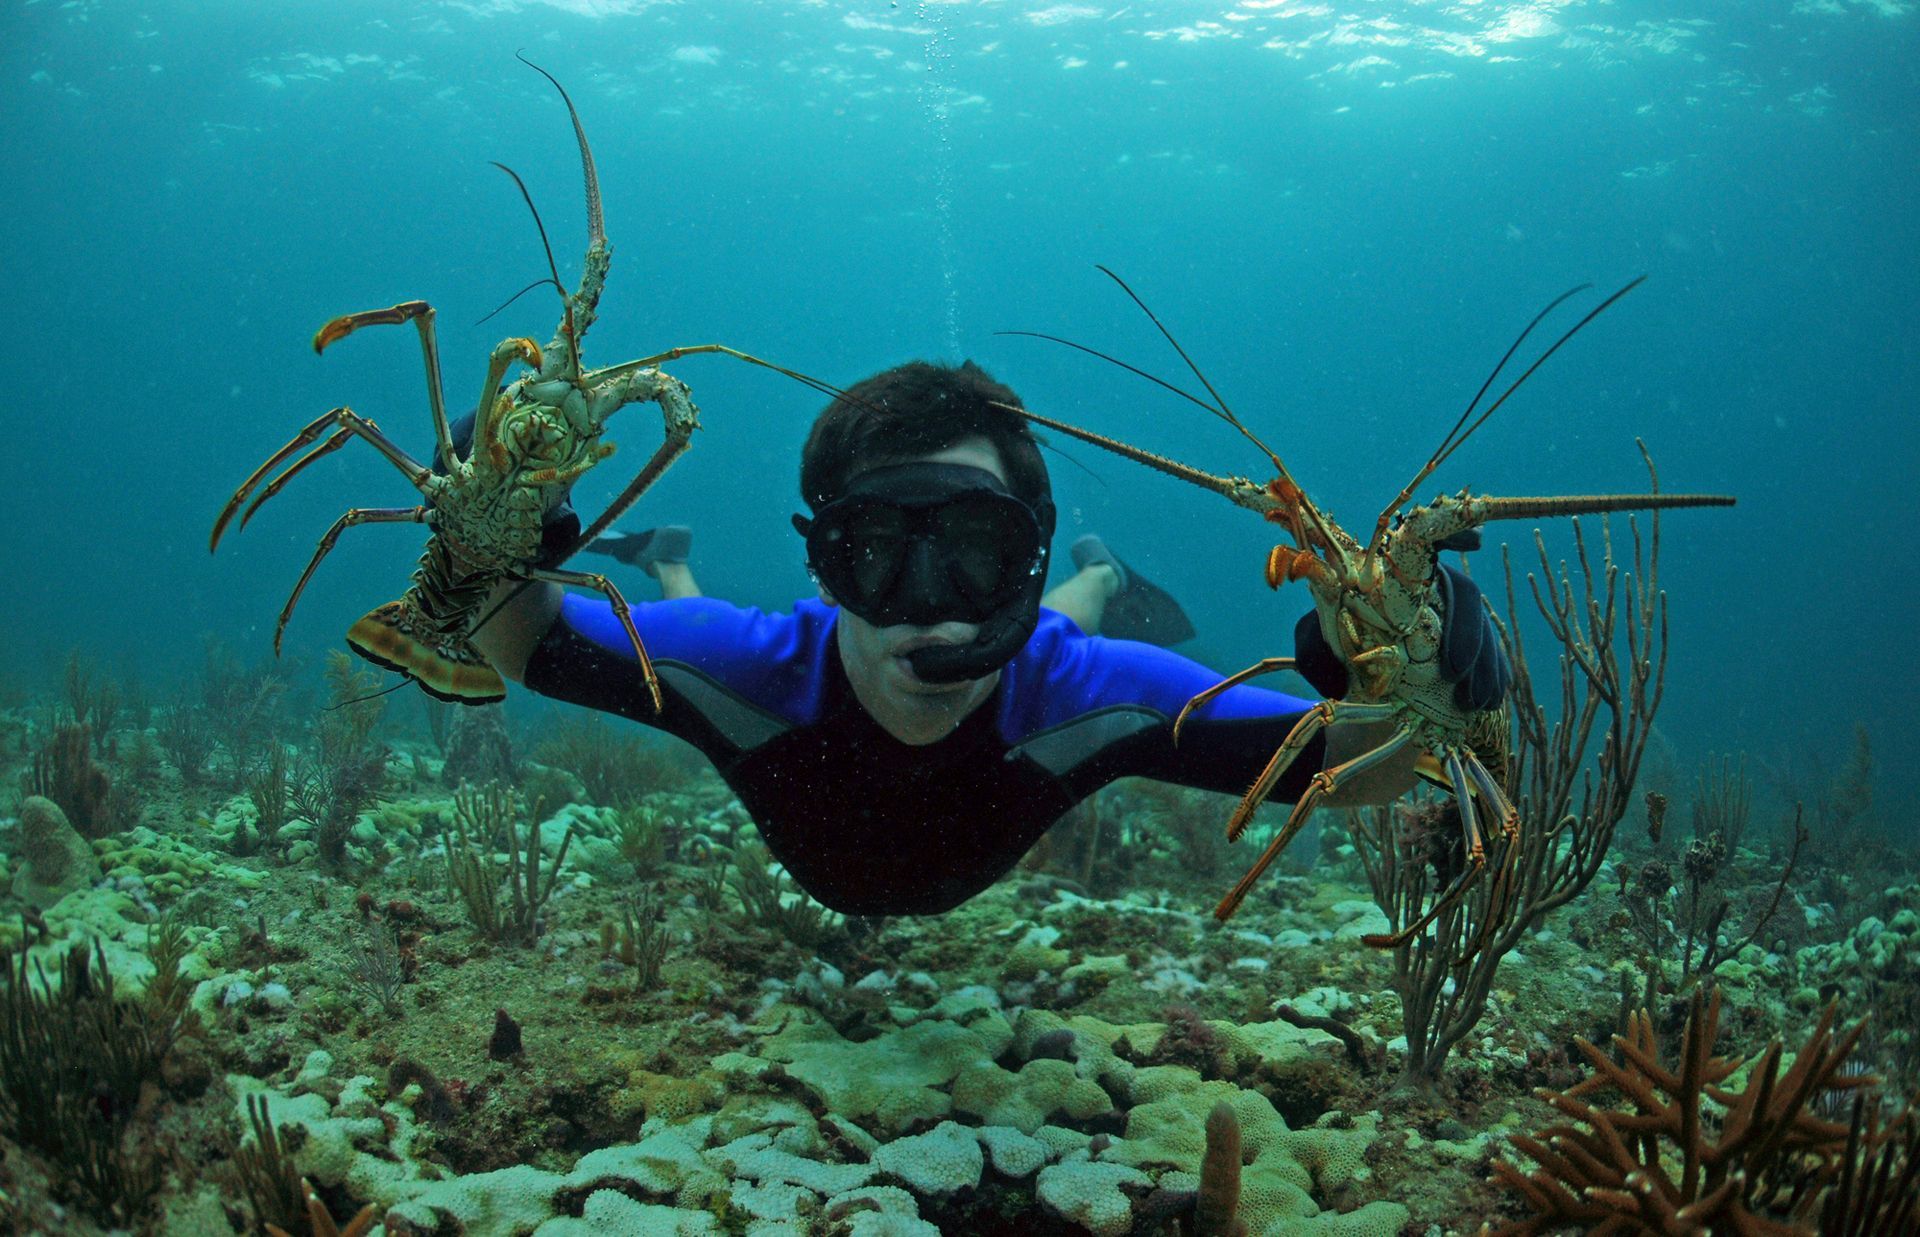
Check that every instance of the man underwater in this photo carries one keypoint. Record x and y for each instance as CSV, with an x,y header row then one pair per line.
x,y
905,739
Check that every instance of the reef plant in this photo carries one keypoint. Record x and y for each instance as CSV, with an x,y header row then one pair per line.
x,y
482,818
1610,676
342,772
74,1058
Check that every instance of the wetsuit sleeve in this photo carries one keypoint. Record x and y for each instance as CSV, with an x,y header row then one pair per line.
x,y
1224,746
762,660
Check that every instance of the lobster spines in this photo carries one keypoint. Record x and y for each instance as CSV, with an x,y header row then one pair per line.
x,y
1487,508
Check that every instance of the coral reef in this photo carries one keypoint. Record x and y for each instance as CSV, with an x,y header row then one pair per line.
x,y
588,1000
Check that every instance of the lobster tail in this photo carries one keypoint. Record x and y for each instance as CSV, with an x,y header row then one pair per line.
x,y
1590,504
396,637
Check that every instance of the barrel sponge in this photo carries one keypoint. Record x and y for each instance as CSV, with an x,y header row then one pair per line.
x,y
944,1159
1027,1099
1088,1193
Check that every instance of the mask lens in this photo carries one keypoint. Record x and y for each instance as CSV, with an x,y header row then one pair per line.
x,y
982,537
924,543
865,548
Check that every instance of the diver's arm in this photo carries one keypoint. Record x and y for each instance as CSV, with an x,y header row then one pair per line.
x,y
1224,745
1228,755
515,630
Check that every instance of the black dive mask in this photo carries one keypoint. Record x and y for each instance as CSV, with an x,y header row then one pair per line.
x,y
920,544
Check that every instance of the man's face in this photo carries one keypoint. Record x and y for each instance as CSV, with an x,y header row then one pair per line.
x,y
875,657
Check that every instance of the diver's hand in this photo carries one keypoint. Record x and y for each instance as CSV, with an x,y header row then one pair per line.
x,y
1471,657
561,527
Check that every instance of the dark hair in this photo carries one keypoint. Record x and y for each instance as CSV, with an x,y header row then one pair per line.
x,y
917,409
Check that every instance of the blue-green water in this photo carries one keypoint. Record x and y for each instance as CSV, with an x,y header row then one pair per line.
x,y
1345,214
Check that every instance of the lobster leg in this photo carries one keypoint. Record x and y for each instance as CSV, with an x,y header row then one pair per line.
x,y
621,610
595,377
1508,817
351,425
486,429
1504,812
421,315
1310,724
1324,783
355,515
1267,665
681,419
1464,784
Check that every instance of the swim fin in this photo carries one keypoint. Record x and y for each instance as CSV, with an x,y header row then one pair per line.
x,y
1141,610
667,544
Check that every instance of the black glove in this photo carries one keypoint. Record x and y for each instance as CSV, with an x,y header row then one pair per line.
x,y
1471,657
562,526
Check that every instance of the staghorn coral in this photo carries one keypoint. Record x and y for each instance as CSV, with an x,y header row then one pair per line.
x,y
1670,1162
1878,1193
320,1221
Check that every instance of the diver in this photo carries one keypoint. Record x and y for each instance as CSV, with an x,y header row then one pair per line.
x,y
905,738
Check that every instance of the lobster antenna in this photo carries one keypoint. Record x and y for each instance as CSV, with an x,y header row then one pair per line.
x,y
1512,348
1070,458
528,198
1298,501
1456,436
1220,404
385,691
596,220
516,296
1494,407
1132,369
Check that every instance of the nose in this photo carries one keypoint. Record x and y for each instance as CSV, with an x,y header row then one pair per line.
x,y
926,596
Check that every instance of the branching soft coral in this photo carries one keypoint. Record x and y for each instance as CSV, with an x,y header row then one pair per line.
x,y
1755,1161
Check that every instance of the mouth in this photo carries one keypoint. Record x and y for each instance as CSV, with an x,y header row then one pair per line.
x,y
918,642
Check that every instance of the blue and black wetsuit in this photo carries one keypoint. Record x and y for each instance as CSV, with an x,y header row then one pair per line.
x,y
873,826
